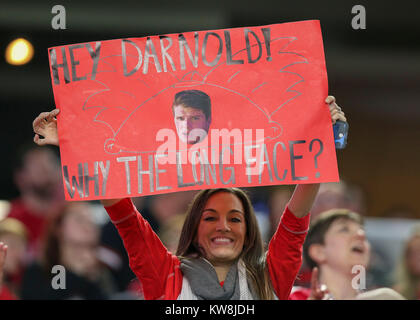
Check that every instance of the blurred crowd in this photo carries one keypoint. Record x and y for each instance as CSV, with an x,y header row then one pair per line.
x,y
40,230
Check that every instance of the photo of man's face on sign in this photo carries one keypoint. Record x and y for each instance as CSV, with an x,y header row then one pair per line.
x,y
192,115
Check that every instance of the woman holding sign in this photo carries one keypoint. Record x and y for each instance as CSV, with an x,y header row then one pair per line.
x,y
220,254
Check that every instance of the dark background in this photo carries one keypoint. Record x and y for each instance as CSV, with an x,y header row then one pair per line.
x,y
374,73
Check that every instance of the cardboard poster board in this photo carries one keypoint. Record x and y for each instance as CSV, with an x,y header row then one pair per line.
x,y
235,107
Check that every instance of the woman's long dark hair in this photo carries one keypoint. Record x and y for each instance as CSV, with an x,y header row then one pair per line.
x,y
253,254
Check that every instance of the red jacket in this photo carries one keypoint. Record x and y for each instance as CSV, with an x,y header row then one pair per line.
x,y
158,269
300,293
6,294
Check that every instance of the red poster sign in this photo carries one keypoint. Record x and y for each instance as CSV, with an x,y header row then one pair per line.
x,y
233,107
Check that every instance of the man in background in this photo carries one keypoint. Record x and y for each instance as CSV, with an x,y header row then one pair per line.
x,y
37,176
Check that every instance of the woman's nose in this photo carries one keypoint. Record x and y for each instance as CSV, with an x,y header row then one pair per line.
x,y
223,225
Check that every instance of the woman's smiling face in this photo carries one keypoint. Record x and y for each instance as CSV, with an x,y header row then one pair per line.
x,y
222,229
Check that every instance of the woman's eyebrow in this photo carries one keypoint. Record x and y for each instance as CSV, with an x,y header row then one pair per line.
x,y
236,211
231,211
209,209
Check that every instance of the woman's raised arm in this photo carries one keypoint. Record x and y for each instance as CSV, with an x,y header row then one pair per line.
x,y
45,125
304,195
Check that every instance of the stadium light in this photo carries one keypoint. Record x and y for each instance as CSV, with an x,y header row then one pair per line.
x,y
19,51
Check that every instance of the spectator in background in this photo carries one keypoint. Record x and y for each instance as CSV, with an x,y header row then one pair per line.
x,y
408,272
335,244
386,249
37,176
13,234
333,195
71,240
